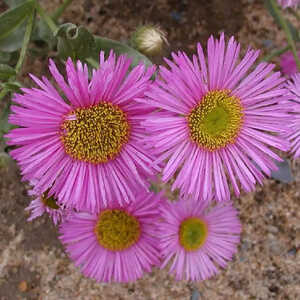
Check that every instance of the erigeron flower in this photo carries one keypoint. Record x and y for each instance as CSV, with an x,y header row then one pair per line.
x,y
84,146
195,241
117,244
216,121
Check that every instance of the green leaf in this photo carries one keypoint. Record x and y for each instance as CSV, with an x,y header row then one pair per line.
x,y
14,41
4,57
5,159
13,18
106,45
14,3
42,32
75,42
13,86
6,72
4,125
11,31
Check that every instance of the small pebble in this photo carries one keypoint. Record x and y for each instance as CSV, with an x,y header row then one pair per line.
x,y
272,229
195,295
292,251
23,286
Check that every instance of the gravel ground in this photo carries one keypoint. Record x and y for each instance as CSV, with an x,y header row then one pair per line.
x,y
33,264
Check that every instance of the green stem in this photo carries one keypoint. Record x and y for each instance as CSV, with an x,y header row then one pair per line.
x,y
92,62
25,42
46,18
3,93
275,53
295,13
59,11
287,31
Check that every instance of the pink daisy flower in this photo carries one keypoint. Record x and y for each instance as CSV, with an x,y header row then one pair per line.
x,y
85,145
195,240
117,244
45,204
294,134
288,3
288,64
216,121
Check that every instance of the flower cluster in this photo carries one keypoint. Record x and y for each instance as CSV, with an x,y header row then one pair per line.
x,y
92,147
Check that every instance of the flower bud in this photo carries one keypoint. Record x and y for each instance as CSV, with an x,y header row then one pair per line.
x,y
149,40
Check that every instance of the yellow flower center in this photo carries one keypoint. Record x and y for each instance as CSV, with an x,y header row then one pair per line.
x,y
116,230
49,201
192,233
95,134
216,120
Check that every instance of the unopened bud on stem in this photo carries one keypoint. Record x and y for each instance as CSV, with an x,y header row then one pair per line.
x,y
149,40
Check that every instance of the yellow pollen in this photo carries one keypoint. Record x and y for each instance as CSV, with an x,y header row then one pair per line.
x,y
192,233
49,201
216,120
95,134
116,230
